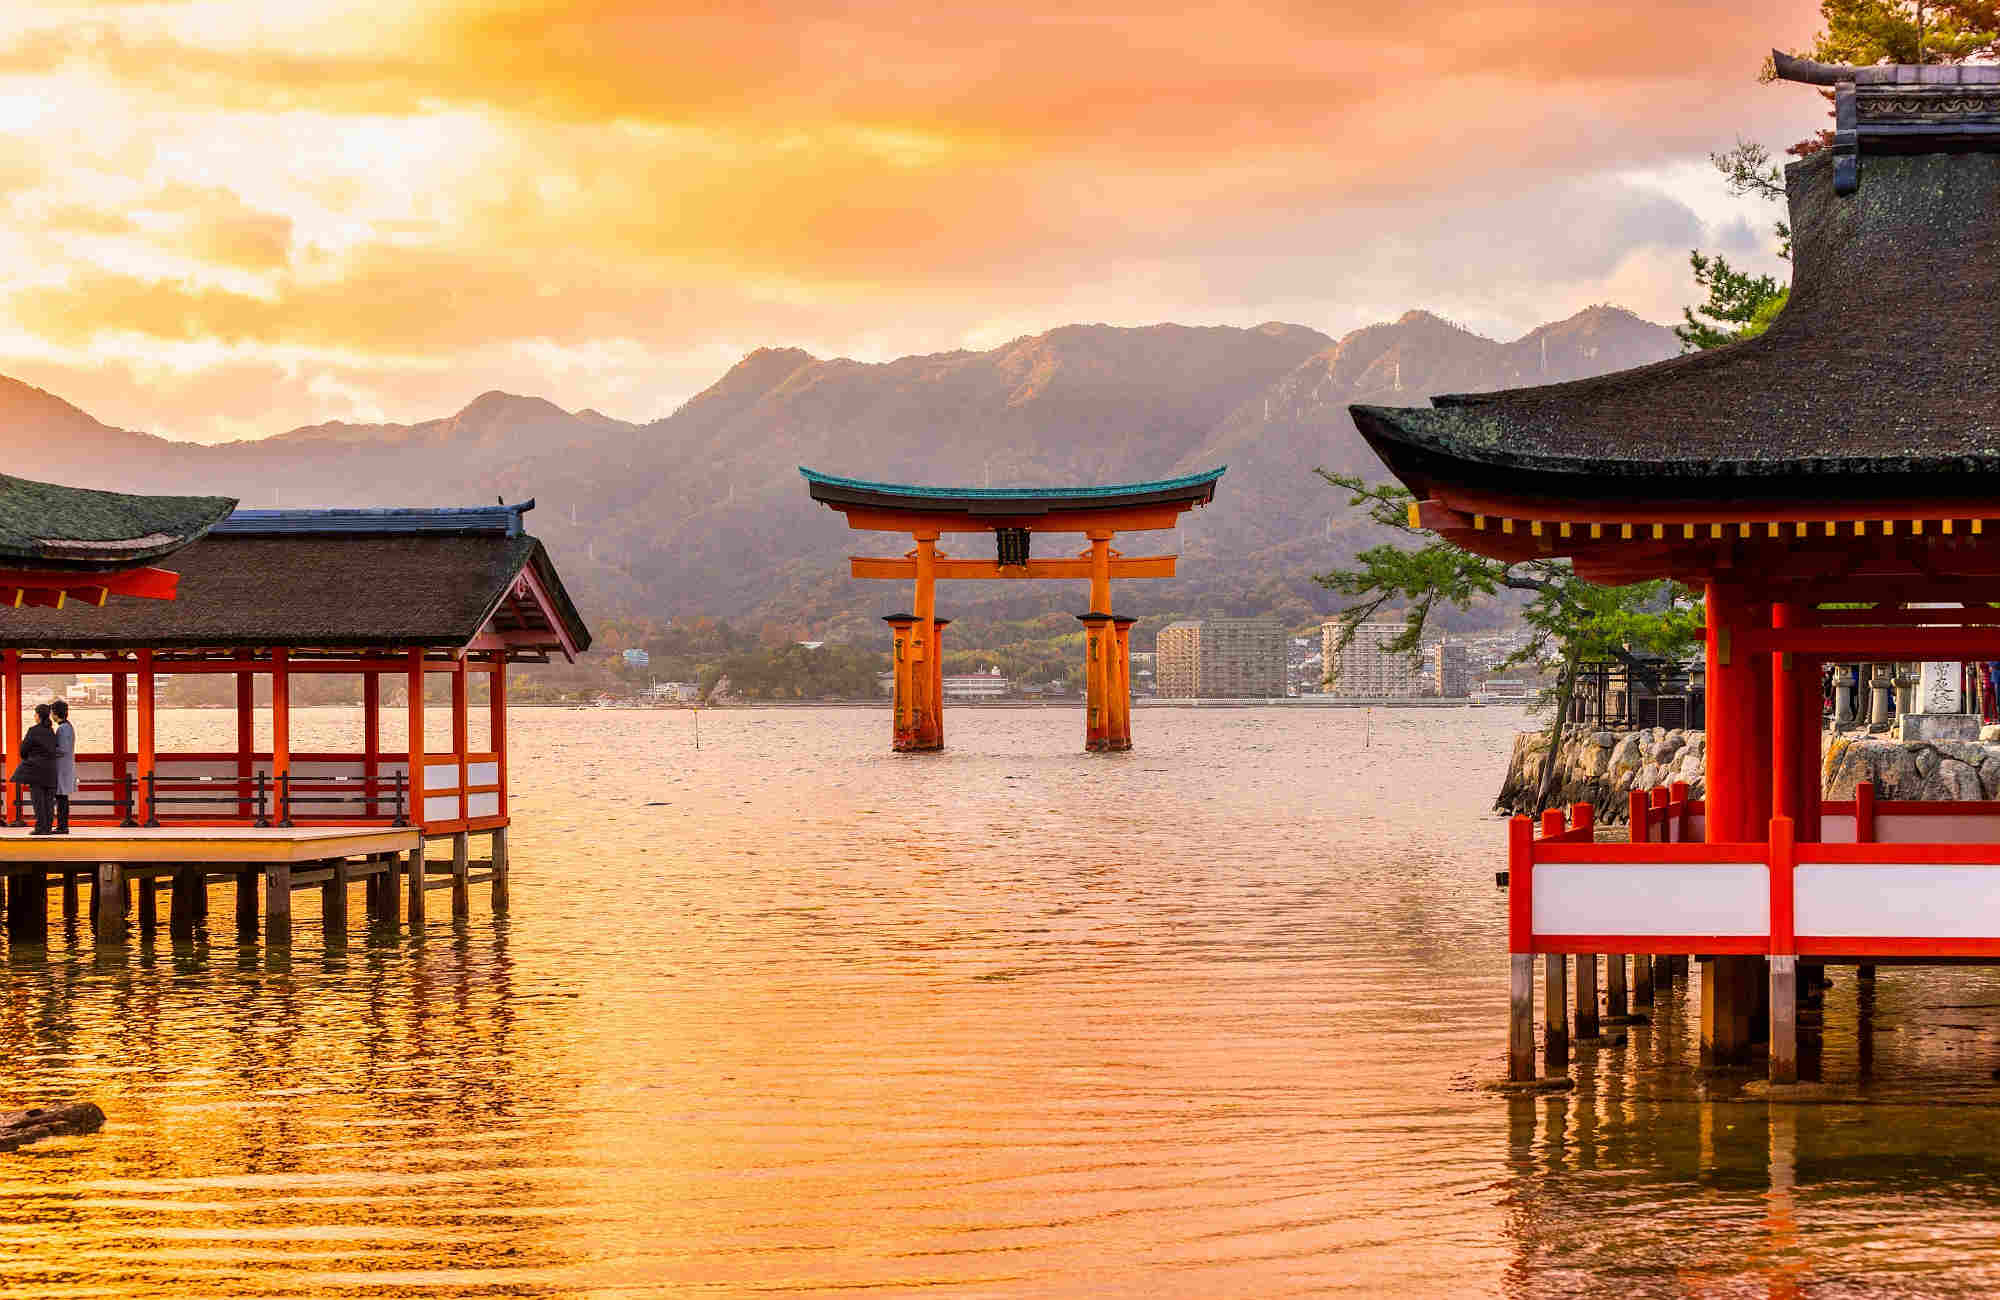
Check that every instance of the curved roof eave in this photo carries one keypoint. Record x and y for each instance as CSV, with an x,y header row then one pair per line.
x,y
835,490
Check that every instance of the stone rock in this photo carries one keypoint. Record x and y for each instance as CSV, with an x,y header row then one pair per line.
x,y
1649,776
1989,777
1604,739
1971,753
1626,755
1933,727
1663,753
1952,780
1927,760
1590,762
1990,733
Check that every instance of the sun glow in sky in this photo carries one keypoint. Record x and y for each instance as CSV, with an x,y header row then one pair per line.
x,y
225,218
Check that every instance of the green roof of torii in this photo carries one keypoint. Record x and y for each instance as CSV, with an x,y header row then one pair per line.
x,y
831,489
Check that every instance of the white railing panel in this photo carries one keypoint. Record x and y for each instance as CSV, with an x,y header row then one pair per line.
x,y
482,774
441,810
1897,901
440,776
484,805
1836,828
1720,898
1937,828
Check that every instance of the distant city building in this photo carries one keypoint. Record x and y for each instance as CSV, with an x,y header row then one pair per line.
x,y
675,692
1450,668
1221,658
1365,668
637,658
977,686
90,688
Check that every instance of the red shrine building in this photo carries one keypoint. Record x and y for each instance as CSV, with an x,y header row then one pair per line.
x,y
1833,487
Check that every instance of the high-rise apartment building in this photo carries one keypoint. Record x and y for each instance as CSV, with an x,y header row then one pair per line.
x,y
1451,669
1221,658
1365,668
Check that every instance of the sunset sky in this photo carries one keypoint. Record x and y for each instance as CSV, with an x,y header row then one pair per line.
x,y
226,218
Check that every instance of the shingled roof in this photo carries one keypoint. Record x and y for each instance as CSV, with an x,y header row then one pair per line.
x,y
337,580
46,526
1877,382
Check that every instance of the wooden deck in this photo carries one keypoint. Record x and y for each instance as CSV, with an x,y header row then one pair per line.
x,y
219,847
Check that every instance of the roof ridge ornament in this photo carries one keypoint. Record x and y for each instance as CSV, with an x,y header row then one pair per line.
x,y
1890,108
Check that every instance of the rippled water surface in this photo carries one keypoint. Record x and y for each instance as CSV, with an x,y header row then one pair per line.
x,y
791,1014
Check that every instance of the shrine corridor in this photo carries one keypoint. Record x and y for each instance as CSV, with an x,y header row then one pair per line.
x,y
1205,1019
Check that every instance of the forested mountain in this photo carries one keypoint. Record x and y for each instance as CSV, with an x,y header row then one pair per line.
x,y
702,512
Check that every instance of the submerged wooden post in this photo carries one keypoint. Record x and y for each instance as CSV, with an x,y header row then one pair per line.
x,y
1097,691
108,902
1642,979
1118,686
28,907
69,894
333,904
389,895
1520,946
416,883
1728,1000
149,912
1617,1007
1586,995
187,884
1783,987
246,906
461,871
1555,1011
936,650
926,677
278,905
497,848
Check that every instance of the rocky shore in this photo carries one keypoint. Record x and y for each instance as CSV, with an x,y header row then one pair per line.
x,y
1601,768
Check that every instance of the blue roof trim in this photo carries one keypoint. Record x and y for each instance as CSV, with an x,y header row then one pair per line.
x,y
501,519
1015,494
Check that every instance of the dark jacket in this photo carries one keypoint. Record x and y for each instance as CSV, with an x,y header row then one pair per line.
x,y
38,756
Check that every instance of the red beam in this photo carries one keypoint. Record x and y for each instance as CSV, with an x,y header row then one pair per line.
x,y
1898,643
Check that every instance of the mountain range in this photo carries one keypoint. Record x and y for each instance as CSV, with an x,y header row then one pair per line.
x,y
703,512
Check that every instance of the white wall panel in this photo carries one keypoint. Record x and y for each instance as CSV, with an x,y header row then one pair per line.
x,y
484,805
1897,901
1836,828
1921,828
1724,898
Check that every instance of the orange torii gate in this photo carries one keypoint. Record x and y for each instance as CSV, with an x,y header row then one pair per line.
x,y
1013,516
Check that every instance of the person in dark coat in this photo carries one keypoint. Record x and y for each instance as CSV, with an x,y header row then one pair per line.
x,y
65,763
37,769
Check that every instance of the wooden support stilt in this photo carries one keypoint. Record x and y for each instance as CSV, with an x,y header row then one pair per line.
x,y
1586,995
246,907
108,902
278,905
1727,999
333,904
1784,1019
390,896
1617,1006
904,734
1521,1017
1555,1011
497,852
1865,973
1642,979
27,916
149,910
69,895
185,914
415,870
461,872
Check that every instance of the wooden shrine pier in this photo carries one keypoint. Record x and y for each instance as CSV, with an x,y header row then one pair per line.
x,y
1830,486
112,878
394,599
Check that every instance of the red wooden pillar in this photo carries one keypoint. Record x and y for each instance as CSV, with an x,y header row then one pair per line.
x,y
1119,683
461,733
121,747
10,693
246,738
281,731
1738,752
496,704
145,774
905,665
371,736
1788,723
1097,691
416,760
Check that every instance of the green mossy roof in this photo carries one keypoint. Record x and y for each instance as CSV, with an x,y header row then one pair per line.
x,y
46,525
1881,376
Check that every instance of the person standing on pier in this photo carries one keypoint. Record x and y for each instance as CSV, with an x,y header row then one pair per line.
x,y
65,764
37,769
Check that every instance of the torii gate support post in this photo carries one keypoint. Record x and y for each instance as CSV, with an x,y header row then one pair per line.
x,y
1097,690
1120,738
902,628
938,626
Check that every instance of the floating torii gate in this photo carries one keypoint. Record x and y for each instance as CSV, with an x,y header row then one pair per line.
x,y
1013,516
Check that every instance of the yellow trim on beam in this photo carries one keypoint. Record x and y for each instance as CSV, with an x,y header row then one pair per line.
x,y
1916,528
1687,532
1659,531
1479,523
1715,530
1861,528
1534,527
1771,529
1625,531
1596,531
1947,528
1888,528
1563,528
1832,528
1506,525
1803,528
1978,527
1415,516
1742,530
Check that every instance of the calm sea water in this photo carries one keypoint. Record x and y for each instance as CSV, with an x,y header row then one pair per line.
x,y
789,1014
